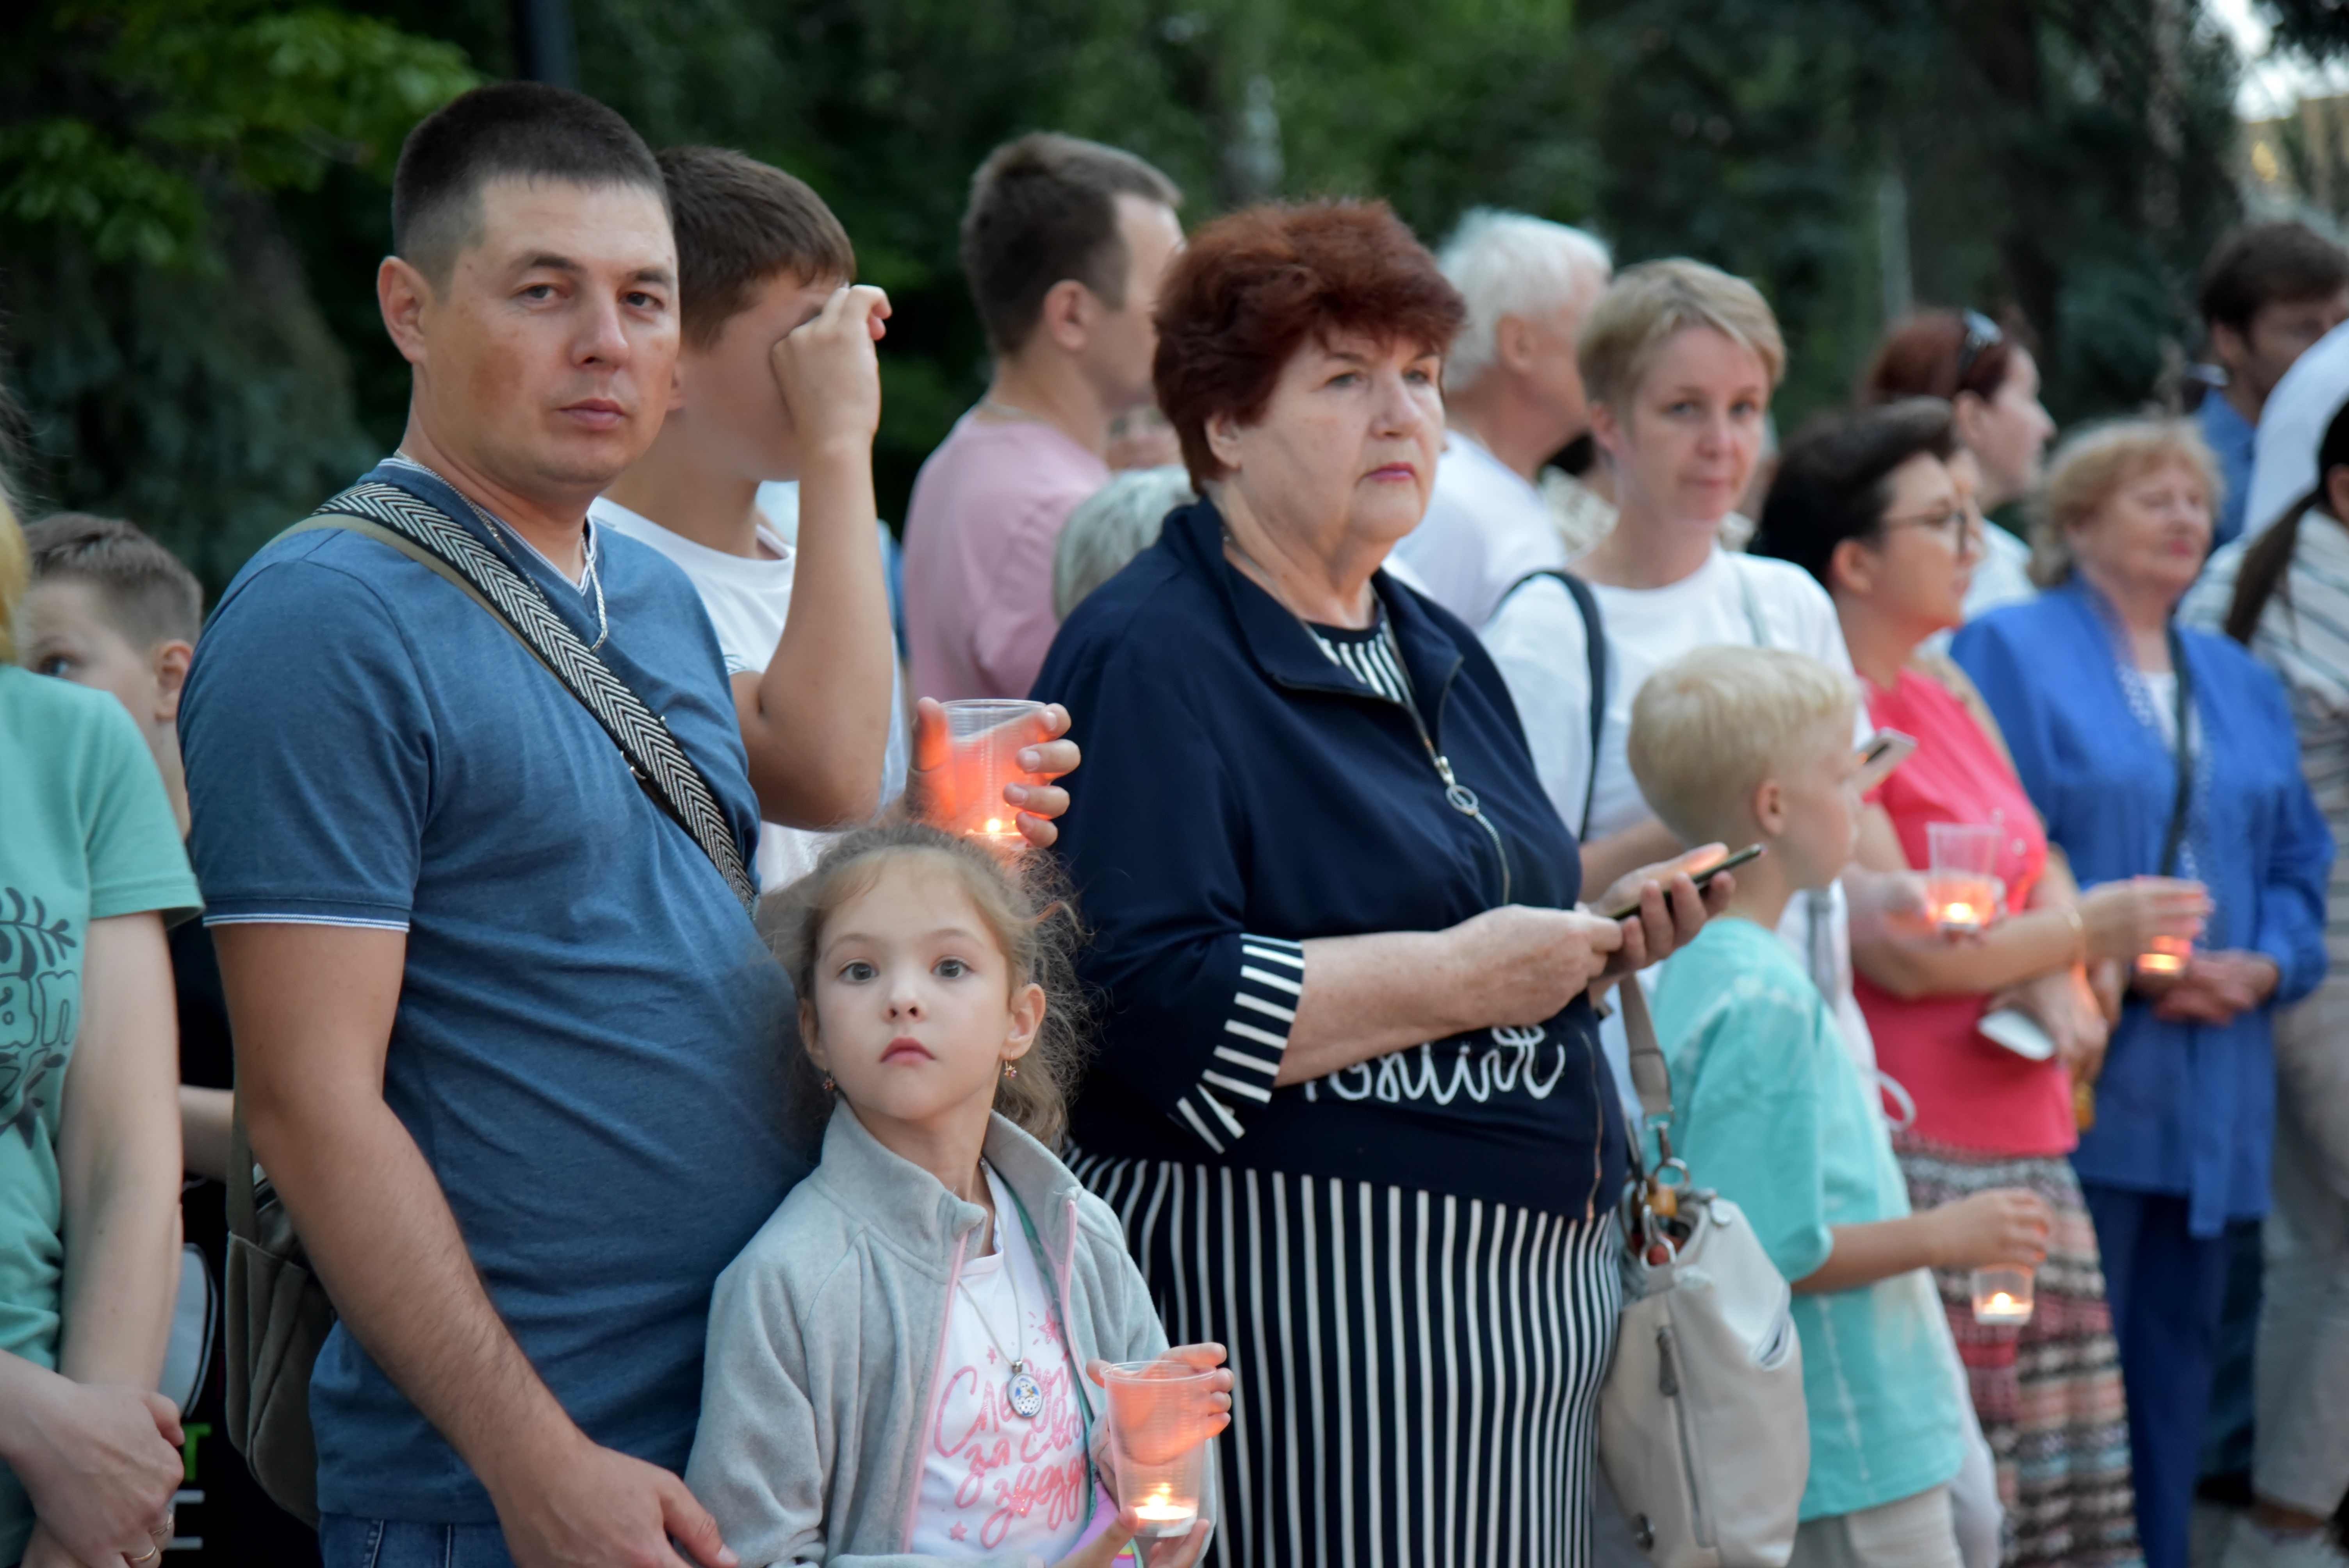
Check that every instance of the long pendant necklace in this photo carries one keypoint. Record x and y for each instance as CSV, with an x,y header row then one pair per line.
x,y
498,528
1023,1394
1458,796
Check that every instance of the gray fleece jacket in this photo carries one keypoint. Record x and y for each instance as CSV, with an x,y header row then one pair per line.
x,y
825,1336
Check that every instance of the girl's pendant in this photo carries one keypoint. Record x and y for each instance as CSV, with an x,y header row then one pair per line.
x,y
1023,1393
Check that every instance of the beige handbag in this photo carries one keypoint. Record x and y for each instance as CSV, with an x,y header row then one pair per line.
x,y
1702,1425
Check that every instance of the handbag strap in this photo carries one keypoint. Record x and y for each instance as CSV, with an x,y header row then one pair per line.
x,y
2174,837
1594,647
421,531
1651,1076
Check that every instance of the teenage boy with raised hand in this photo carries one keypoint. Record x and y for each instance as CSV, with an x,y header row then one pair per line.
x,y
506,1038
777,379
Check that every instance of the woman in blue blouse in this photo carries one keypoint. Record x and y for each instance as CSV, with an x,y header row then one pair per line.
x,y
1349,1098
2152,749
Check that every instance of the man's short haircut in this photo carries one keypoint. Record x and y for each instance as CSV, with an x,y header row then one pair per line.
x,y
1835,479
507,131
1256,286
1710,727
142,589
1506,263
2263,264
740,222
1648,305
1043,211
2095,464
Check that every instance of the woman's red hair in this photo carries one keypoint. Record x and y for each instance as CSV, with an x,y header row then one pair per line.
x,y
1248,290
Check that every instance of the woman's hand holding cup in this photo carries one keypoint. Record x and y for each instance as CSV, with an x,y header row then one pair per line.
x,y
2122,918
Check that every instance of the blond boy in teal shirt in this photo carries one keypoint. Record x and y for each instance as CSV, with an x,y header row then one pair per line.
x,y
1743,746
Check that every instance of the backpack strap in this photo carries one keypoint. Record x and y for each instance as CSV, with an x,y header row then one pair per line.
x,y
1594,645
421,531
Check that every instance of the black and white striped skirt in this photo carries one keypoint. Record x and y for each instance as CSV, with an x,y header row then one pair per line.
x,y
1417,1373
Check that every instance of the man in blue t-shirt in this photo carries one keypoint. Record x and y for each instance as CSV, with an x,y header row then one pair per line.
x,y
506,1038
2269,292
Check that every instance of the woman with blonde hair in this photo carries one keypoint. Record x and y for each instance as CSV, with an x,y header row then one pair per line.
x,y
89,1117
2151,749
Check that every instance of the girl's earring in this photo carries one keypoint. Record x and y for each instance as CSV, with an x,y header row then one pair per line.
x,y
829,1087
1009,1072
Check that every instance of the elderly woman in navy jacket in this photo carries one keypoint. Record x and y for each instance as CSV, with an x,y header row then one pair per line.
x,y
1349,1098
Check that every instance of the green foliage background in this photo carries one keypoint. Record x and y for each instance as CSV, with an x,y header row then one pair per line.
x,y
192,192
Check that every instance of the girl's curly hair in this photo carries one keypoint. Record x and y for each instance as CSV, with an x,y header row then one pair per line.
x,y
1025,906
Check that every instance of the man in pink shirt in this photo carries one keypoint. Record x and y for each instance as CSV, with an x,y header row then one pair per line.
x,y
1063,243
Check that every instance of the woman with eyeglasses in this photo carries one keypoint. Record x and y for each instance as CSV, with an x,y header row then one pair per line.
x,y
1866,503
1991,381
2154,750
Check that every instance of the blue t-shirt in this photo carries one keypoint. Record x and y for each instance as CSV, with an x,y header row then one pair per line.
x,y
1768,1110
586,1046
2235,442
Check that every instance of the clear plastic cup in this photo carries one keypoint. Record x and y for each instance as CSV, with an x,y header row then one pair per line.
x,y
2002,1295
986,735
1161,1418
1961,889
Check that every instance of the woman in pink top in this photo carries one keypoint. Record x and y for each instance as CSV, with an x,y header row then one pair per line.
x,y
1869,505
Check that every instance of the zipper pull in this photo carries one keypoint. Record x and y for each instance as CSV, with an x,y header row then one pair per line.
x,y
1668,1382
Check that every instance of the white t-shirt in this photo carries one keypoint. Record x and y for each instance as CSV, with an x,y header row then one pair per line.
x,y
746,601
1537,638
993,1481
1485,527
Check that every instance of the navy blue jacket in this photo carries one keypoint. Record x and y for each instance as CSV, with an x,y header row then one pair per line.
x,y
1242,794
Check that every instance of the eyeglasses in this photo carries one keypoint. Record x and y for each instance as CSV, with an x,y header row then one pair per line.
x,y
1982,335
1956,524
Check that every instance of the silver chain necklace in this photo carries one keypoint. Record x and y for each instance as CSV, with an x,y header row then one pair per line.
x,y
499,527
1022,1393
1458,796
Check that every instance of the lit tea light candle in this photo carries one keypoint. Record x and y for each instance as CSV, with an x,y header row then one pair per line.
x,y
2002,1295
1961,905
2166,955
1163,1514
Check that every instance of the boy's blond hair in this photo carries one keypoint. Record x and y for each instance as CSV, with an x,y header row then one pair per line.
x,y
1647,306
1709,727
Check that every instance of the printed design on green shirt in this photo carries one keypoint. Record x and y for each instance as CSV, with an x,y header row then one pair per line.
x,y
38,984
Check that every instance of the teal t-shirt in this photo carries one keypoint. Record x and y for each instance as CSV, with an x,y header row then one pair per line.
x,y
1769,1110
86,833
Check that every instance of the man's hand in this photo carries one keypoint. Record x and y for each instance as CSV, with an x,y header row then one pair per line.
x,y
101,1462
929,782
827,371
570,1504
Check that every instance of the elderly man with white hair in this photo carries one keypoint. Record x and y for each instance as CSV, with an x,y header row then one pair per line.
x,y
1512,398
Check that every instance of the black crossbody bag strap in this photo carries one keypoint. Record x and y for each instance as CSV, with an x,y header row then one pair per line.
x,y
2174,840
422,532
1594,642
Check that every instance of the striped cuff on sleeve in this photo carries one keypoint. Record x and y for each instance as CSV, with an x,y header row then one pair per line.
x,y
1246,1055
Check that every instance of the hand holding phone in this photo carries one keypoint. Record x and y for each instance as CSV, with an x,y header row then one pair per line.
x,y
1730,862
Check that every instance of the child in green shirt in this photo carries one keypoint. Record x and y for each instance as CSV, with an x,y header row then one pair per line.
x,y
1741,745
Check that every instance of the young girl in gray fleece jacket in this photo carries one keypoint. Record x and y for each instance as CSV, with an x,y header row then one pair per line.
x,y
901,1364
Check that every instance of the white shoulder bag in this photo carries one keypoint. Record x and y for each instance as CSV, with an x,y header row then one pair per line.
x,y
1702,1425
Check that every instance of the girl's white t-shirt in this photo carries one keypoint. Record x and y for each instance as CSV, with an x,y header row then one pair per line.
x,y
993,1481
